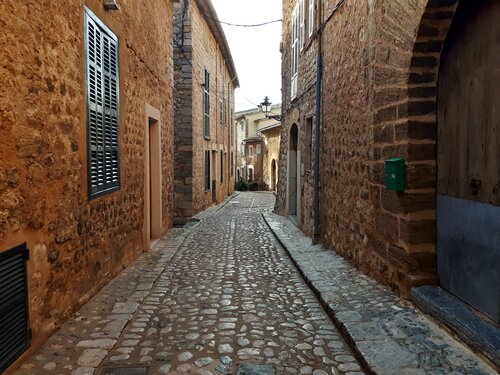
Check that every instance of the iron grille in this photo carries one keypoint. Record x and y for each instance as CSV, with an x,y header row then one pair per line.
x,y
14,319
102,107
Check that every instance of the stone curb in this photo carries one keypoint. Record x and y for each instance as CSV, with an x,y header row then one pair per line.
x,y
388,335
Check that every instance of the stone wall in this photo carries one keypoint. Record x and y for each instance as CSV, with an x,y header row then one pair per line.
x,y
200,51
346,132
297,111
405,45
271,151
76,245
380,67
183,112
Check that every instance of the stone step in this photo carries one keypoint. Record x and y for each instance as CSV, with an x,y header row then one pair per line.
x,y
470,326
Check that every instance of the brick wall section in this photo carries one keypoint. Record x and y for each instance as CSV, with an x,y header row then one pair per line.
x,y
76,245
200,51
381,63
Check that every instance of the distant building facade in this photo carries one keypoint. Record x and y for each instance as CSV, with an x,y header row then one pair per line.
x,y
205,80
258,140
367,82
86,155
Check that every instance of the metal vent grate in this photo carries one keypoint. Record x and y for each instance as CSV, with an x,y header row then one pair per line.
x,y
124,370
14,322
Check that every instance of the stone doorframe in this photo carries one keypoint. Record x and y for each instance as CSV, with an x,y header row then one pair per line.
x,y
402,76
152,176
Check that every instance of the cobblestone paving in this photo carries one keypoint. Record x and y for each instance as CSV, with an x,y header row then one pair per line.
x,y
210,299
389,333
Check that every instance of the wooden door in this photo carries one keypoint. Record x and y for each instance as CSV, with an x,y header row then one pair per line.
x,y
468,200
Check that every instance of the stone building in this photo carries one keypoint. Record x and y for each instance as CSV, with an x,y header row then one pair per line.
x,y
365,82
258,140
86,153
205,80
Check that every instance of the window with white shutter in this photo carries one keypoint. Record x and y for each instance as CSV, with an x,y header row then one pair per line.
x,y
311,17
295,52
206,105
302,29
221,106
101,47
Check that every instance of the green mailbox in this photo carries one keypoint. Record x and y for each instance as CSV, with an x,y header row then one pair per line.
x,y
395,174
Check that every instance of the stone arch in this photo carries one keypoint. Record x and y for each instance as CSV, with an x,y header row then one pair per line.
x,y
425,58
403,73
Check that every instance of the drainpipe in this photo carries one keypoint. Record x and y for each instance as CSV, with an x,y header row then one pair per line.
x,y
319,76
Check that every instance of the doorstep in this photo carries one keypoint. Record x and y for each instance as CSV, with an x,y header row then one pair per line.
x,y
470,326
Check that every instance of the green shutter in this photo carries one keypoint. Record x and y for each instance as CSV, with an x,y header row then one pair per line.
x,y
102,108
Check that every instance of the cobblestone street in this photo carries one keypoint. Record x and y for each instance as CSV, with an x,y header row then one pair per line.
x,y
219,297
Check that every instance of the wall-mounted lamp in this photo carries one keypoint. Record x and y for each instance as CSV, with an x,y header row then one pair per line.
x,y
265,106
110,5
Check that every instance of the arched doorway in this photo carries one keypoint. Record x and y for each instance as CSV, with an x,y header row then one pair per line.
x,y
293,171
468,157
273,175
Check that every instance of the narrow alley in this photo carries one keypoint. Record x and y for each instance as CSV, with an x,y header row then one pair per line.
x,y
206,300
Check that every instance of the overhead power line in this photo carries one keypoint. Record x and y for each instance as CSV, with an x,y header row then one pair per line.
x,y
241,25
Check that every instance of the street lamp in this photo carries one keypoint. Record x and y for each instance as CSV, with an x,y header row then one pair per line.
x,y
265,106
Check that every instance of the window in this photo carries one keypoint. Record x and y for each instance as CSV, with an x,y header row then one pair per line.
x,y
258,149
232,163
250,151
221,166
206,102
242,148
302,29
295,52
207,170
250,173
242,125
102,107
309,144
311,17
228,104
221,105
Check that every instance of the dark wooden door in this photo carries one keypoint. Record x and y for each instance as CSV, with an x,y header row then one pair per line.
x,y
468,200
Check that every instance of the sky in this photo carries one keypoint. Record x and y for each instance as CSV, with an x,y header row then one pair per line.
x,y
255,50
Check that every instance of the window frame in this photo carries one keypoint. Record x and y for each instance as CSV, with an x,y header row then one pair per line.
x,y
302,25
221,154
206,105
89,15
258,149
311,20
207,170
294,53
221,105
